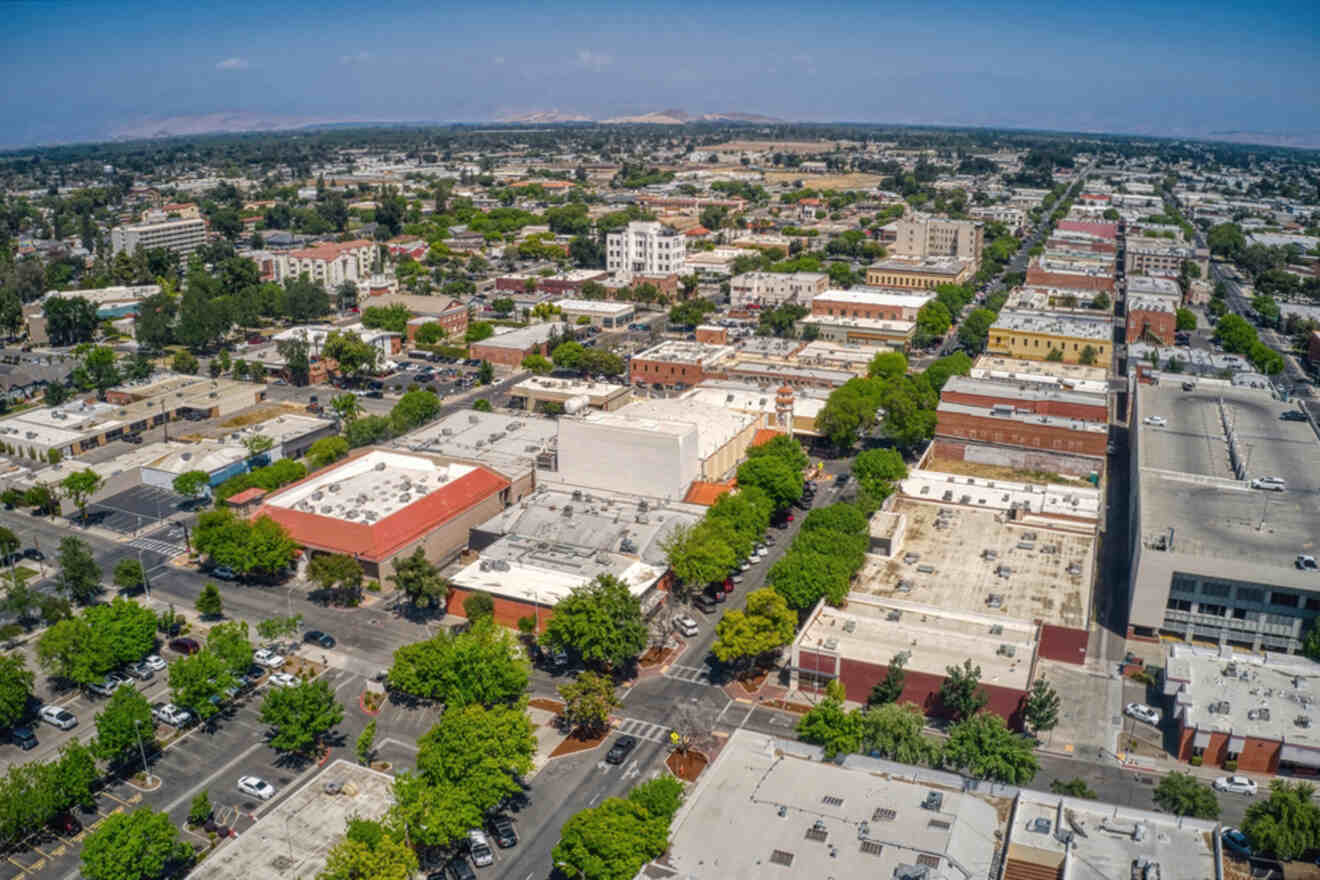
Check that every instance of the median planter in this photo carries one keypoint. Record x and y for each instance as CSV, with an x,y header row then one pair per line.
x,y
687,765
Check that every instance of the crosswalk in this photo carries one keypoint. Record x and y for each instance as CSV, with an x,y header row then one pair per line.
x,y
699,674
656,733
155,545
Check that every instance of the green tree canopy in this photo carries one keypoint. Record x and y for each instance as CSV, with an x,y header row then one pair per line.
x,y
384,857
301,715
420,580
600,621
878,470
588,701
895,731
784,447
15,688
767,624
612,841
80,576
961,694
890,688
781,483
831,727
1042,706
697,554
888,365
326,451
141,845
482,666
125,717
1182,794
984,747
230,642
1286,824
194,680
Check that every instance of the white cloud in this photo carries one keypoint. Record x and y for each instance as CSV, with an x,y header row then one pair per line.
x,y
232,64
356,58
596,61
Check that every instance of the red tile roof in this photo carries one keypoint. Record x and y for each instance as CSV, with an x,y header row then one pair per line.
x,y
698,230
329,250
245,496
1104,230
764,435
705,493
380,540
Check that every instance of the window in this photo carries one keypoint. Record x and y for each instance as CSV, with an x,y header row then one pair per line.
x,y
1183,584
870,847
1218,589
1179,604
1279,619
1212,610
928,860
1285,600
1250,594
883,814
832,801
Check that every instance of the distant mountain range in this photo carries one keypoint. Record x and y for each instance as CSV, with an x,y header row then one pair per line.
x,y
670,116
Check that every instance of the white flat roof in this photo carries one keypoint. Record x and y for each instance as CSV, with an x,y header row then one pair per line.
x,y
371,486
715,425
595,307
875,297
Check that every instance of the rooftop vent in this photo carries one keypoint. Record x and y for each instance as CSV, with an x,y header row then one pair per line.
x,y
934,800
379,466
894,614
831,644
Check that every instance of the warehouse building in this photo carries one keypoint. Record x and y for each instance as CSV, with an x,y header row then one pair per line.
x,y
516,447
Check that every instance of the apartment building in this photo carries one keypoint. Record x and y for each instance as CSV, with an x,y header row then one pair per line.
x,y
646,247
1054,271
1010,215
771,289
330,263
181,236
923,235
1156,256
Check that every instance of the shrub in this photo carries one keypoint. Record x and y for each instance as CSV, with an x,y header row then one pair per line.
x,y
1195,760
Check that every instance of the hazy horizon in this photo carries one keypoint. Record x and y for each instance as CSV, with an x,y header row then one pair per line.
x,y
1172,70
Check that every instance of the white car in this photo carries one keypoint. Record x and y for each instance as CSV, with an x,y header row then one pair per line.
x,y
1155,421
1236,785
283,680
685,625
1269,484
168,713
256,787
155,662
1142,712
267,658
58,716
479,848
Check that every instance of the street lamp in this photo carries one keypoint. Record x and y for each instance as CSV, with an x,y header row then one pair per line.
x,y
137,728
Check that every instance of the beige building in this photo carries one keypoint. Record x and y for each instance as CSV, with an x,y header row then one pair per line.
x,y
770,289
923,235
181,237
919,273
331,263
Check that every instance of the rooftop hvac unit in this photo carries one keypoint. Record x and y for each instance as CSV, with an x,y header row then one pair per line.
x,y
514,426
831,644
997,630
1006,650
380,466
643,518
446,432
849,626
894,614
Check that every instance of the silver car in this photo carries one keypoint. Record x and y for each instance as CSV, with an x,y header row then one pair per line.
x,y
58,716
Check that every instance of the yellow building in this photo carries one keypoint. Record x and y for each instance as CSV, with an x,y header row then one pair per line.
x,y
920,274
1033,335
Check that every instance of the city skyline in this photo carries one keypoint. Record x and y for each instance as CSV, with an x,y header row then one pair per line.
x,y
1222,70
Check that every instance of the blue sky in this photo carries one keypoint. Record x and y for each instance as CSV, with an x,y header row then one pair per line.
x,y
80,70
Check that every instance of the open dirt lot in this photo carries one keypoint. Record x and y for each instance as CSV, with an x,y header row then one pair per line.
x,y
825,181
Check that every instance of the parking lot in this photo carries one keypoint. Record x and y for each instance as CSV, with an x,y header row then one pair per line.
x,y
134,509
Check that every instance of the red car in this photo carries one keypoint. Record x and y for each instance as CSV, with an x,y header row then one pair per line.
x,y
66,823
185,646
728,585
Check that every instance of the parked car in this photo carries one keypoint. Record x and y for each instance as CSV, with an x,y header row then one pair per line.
x,y
1269,484
685,625
118,679
214,827
256,787
66,823
1236,842
168,713
140,670
457,869
1142,712
622,747
103,688
23,736
34,553
1305,562
268,658
316,637
1155,421
704,602
501,828
155,662
224,573
1293,415
184,646
58,716
283,680
479,849
1236,785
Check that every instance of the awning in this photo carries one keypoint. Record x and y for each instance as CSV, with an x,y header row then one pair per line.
x,y
1300,756
1202,739
1235,744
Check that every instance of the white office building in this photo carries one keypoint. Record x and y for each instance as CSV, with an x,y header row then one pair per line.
x,y
646,248
179,236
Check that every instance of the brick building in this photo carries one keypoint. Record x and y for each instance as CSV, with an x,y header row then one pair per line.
x,y
678,363
565,283
509,349
1044,271
874,305
1004,425
1150,319
1044,400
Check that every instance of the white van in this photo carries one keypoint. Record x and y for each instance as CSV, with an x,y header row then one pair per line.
x,y
1272,484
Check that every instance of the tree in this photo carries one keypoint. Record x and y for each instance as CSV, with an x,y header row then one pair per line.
x,y
15,688
611,841
352,355
894,731
478,331
1088,356
74,776
878,469
888,365
1286,824
278,627
588,701
481,404
72,650
256,444
933,321
185,362
828,725
80,576
141,845
538,364
600,621
697,554
231,643
192,484
80,486
1042,707
480,605
485,373
125,718
1235,334
129,629
129,575
803,577
1186,319
1101,302
744,637
297,360
414,409
195,679
420,580
482,666
366,743
1076,788
784,447
961,693
69,319
385,857
890,688
983,746
772,475
301,715
1184,795
262,547
209,603
346,406
975,328
97,370
200,809
326,451
339,574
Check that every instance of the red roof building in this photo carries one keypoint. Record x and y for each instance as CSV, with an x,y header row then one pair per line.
x,y
1104,230
383,504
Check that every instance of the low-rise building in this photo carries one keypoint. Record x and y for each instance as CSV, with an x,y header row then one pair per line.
x,y
771,289
517,447
446,311
380,505
876,305
1151,319
291,434
564,283
677,363
921,274
217,459
597,313
926,235
509,349
1051,271
569,395
786,409
1150,285
1052,374
1033,335
1029,398
1003,424
896,335
1159,256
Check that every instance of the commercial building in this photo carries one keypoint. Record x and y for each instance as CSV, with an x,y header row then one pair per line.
x,y
1159,256
111,303
1033,335
562,536
1106,230
380,505
715,263
1054,299
646,247
449,313
654,448
925,235
515,446
564,283
1214,560
597,313
1150,285
1151,319
217,459
1010,215
675,362
181,237
329,263
896,335
509,349
1003,425
1028,398
1051,374
771,289
569,394
859,819
291,435
786,408
919,273
875,305
1259,710
1080,839
1051,271
385,342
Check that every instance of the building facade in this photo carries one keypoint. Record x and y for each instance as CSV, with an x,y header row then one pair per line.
x,y
646,247
1034,335
920,274
331,263
870,305
182,236
770,289
923,235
